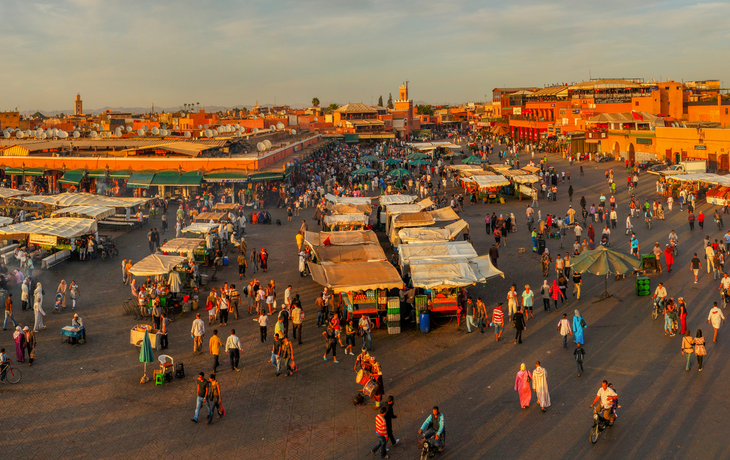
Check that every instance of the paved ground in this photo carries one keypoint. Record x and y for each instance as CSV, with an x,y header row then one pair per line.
x,y
86,401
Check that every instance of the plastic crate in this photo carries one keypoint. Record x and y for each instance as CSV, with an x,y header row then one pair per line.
x,y
421,302
393,318
393,329
394,311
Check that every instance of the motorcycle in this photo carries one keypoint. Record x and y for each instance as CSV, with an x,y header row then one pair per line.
x,y
599,424
108,250
658,308
428,449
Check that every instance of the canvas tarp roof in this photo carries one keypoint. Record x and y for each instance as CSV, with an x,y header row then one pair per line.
x,y
423,235
225,206
155,264
93,212
448,273
11,192
457,227
488,181
182,245
349,208
386,200
443,214
350,253
348,199
341,238
396,209
356,276
476,172
199,227
441,250
425,203
526,179
207,216
60,227
463,167
531,169
346,219
85,199
414,219
5,221
702,177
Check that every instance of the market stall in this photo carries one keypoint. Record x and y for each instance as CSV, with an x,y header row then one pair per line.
x,y
348,199
156,264
423,235
522,182
200,227
439,250
192,248
346,222
225,206
342,209
210,216
386,200
487,188
349,253
362,285
51,240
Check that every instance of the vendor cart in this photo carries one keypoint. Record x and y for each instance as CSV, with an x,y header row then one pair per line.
x,y
649,264
136,336
72,335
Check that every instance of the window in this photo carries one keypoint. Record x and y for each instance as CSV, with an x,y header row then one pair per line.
x,y
725,111
636,103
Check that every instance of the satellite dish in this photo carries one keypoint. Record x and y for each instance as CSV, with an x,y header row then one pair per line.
x,y
261,146
316,119
267,143
206,126
140,132
237,126
118,132
164,132
214,133
145,128
255,117
63,134
129,129
280,125
255,130
155,130
38,132
6,135
187,133
94,134
44,135
20,134
176,127
28,133
293,132
200,126
208,133
77,134
339,125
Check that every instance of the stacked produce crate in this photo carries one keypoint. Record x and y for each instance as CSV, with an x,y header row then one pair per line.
x,y
643,285
421,304
393,315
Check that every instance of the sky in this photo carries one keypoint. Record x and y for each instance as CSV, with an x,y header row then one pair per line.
x,y
234,53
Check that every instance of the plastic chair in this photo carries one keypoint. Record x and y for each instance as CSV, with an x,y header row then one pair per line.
x,y
167,365
159,378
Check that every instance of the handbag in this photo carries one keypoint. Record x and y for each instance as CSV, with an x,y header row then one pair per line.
x,y
208,305
582,322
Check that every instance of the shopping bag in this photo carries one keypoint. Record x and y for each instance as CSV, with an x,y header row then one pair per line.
x,y
222,410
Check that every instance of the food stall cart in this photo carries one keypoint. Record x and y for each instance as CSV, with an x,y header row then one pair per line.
x,y
522,182
348,253
208,216
157,265
337,209
441,280
420,219
362,285
346,222
488,188
348,199
225,206
136,336
192,248
440,250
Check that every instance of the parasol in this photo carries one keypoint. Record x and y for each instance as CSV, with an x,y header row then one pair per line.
x,y
417,156
370,158
602,261
473,160
363,171
400,172
392,162
421,162
145,355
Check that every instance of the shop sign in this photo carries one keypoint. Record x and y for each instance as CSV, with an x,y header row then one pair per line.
x,y
643,140
42,240
700,147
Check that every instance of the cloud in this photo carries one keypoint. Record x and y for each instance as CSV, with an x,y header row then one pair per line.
x,y
229,52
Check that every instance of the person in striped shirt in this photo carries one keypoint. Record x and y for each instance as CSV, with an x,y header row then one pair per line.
x,y
498,321
381,431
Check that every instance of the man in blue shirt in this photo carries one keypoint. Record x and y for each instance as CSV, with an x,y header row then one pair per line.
x,y
635,245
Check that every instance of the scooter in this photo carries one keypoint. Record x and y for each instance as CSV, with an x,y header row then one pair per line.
x,y
599,424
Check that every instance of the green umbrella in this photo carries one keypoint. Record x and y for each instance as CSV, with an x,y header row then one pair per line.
x,y
145,355
417,156
370,158
363,171
400,172
473,160
421,162
391,162
602,261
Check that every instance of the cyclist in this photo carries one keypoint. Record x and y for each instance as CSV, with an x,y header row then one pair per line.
x,y
434,427
647,216
4,363
724,286
660,295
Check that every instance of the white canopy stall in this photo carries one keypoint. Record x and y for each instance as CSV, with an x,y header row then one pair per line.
x,y
93,212
155,264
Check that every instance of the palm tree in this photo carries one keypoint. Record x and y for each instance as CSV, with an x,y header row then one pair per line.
x,y
315,102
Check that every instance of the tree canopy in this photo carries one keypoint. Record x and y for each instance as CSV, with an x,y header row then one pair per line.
x,y
315,102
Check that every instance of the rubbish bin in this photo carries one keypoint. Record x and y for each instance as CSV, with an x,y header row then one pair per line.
x,y
425,322
540,245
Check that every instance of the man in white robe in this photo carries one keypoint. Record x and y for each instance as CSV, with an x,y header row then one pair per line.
x,y
539,384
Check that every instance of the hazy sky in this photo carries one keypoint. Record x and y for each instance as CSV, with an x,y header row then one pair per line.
x,y
228,52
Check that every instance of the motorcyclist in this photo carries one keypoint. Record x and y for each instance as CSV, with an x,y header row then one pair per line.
x,y
434,428
606,396
725,286
647,216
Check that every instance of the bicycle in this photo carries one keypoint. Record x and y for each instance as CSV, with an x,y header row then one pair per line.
x,y
12,375
648,222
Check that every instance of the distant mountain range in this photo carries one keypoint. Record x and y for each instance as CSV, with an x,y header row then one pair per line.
x,y
211,108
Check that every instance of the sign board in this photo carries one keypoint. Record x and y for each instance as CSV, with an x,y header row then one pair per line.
x,y
517,111
700,147
42,240
643,140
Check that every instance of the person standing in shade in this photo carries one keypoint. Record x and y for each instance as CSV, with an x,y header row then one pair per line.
x,y
297,319
694,266
564,330
331,339
522,386
579,355
470,315
389,416
715,318
540,385
578,325
197,332
285,357
263,320
520,325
